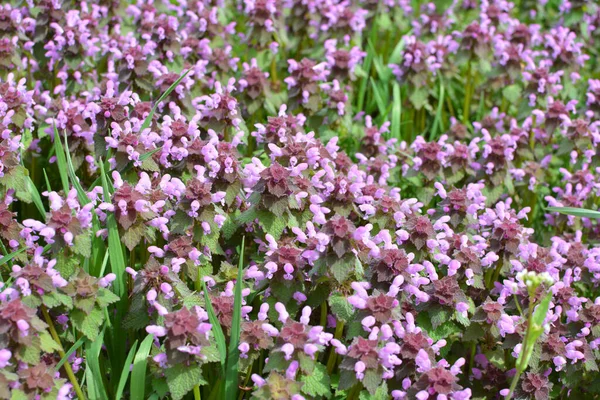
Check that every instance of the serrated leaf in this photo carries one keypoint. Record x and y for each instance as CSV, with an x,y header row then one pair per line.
x,y
47,344
340,307
317,383
29,354
181,379
82,245
134,235
372,380
106,297
88,324
512,93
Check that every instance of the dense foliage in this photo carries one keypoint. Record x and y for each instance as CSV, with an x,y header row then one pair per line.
x,y
276,199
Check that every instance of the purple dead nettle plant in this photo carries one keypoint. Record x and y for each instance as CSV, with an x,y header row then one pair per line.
x,y
391,188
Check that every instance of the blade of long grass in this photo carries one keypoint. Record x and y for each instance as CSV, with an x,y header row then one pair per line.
x,y
437,122
396,56
48,186
362,91
167,92
125,372
81,194
216,327
137,384
378,99
574,211
72,350
115,250
8,257
396,112
95,384
61,160
12,255
116,340
233,353
36,198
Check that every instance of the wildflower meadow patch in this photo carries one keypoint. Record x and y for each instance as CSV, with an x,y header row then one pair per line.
x,y
299,199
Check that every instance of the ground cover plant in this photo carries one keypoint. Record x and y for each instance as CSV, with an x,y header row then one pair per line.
x,y
311,199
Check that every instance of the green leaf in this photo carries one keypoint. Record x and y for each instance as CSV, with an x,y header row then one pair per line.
x,y
35,196
95,384
133,235
148,119
438,316
115,251
29,354
61,160
106,297
396,112
340,307
47,344
512,93
182,379
66,265
496,357
137,384
73,349
233,353
82,244
535,329
88,324
379,99
216,330
444,330
12,255
125,371
317,383
419,98
81,194
271,223
372,380
341,270
577,212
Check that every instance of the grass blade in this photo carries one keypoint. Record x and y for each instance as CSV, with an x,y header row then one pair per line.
x,y
12,255
73,349
575,211
363,84
148,119
437,122
216,326
233,353
36,198
81,194
137,385
125,372
95,384
61,160
379,100
115,250
396,112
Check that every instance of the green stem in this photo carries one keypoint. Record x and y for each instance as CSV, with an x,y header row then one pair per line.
x,y
324,314
339,330
61,352
513,385
197,392
354,391
472,358
522,361
467,104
